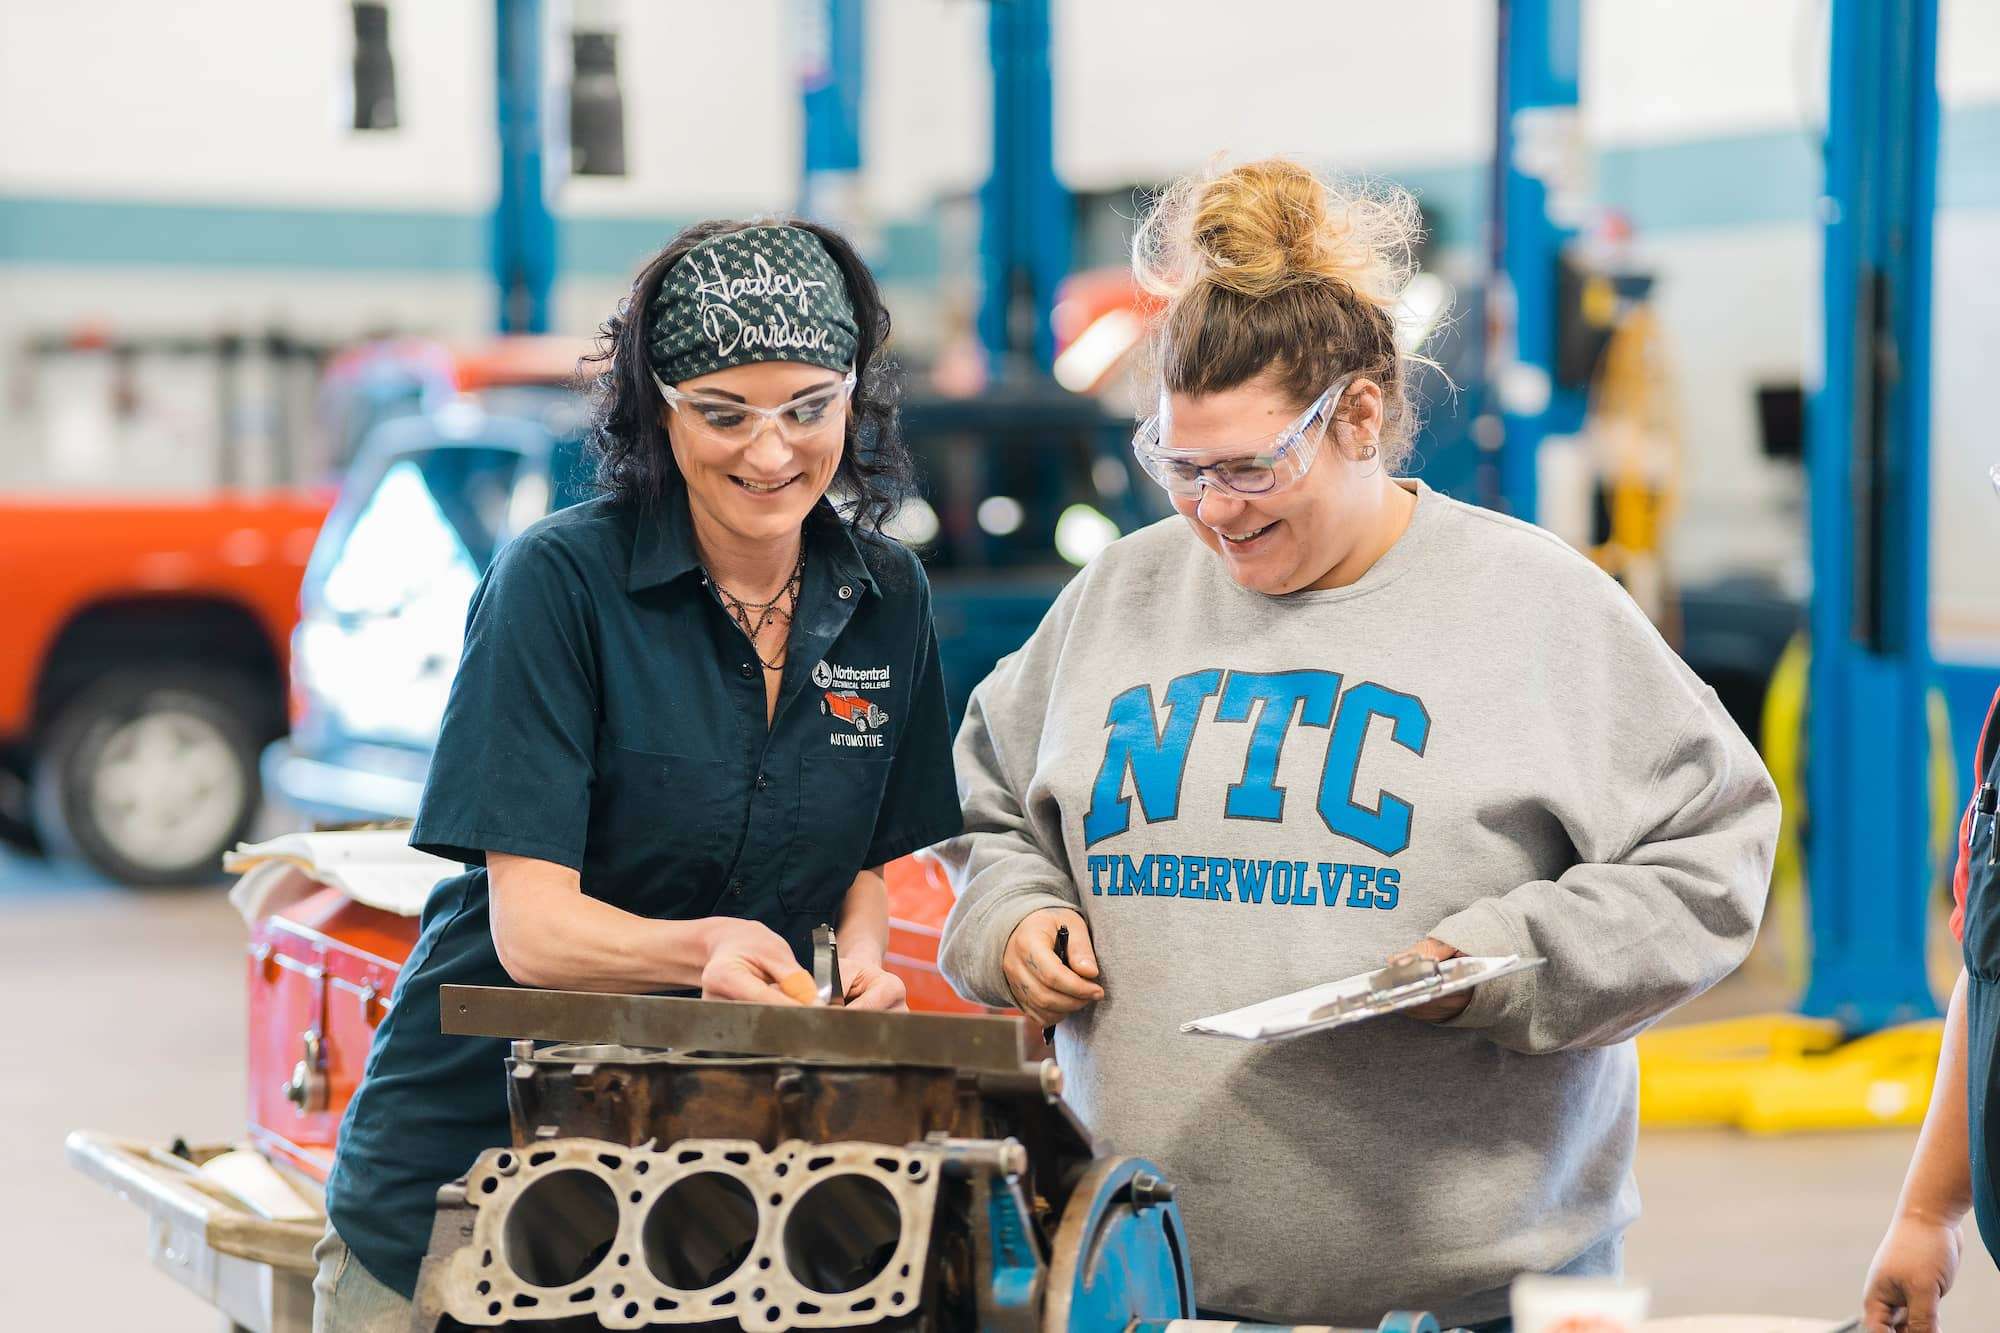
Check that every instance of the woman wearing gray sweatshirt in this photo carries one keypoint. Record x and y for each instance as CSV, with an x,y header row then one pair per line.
x,y
1321,717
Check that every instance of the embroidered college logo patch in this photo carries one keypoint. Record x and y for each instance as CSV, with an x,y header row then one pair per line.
x,y
858,721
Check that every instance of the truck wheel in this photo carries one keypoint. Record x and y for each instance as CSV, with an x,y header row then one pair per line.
x,y
150,776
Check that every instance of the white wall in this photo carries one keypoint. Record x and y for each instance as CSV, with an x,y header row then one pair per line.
x,y
927,118
236,100
1146,92
1664,71
711,111
1965,513
231,103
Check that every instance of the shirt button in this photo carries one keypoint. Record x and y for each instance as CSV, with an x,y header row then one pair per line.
x,y
736,888
846,591
746,671
762,782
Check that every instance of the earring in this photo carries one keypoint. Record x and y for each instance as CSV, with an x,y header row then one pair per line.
x,y
1365,452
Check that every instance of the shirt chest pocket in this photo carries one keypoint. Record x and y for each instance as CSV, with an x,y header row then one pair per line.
x,y
662,823
840,798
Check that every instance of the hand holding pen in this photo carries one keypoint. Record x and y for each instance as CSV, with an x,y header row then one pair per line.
x,y
1049,985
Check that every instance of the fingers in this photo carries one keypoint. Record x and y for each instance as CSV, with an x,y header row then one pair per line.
x,y
1040,999
1434,950
758,967
1882,1309
1082,957
738,979
1050,971
877,989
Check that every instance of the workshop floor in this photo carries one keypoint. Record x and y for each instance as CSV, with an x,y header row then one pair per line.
x,y
124,1012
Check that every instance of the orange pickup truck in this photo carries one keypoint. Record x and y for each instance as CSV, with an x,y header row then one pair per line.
x,y
143,659
145,641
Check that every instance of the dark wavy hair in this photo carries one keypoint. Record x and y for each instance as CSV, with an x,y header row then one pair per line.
x,y
634,461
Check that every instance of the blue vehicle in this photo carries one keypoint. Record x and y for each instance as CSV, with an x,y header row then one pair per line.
x,y
1018,492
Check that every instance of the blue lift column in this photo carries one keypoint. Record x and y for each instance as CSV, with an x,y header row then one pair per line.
x,y
1536,132
524,230
1025,226
831,73
1868,863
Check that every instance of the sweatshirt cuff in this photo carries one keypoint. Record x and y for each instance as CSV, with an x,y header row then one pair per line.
x,y
1483,930
976,971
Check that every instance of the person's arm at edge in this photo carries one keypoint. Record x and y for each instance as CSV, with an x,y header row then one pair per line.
x,y
550,934
863,939
1918,1258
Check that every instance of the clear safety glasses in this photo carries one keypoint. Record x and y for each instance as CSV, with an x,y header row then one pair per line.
x,y
1247,470
804,420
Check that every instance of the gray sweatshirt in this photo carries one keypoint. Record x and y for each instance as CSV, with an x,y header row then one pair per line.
x,y
1483,740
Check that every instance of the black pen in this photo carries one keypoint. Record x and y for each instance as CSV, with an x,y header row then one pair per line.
x,y
1062,956
1983,804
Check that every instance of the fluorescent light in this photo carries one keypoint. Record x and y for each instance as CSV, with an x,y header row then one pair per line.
x,y
1422,305
914,523
1097,349
1001,515
1082,532
1110,477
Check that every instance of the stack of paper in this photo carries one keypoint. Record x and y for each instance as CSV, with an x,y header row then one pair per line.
x,y
1352,999
377,867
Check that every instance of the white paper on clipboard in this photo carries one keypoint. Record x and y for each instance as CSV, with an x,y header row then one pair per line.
x,y
1352,1000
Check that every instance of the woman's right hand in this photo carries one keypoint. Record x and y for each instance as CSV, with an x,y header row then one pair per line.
x,y
750,961
1912,1271
1045,990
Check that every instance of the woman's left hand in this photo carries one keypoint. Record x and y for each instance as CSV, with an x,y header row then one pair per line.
x,y
1445,1007
875,988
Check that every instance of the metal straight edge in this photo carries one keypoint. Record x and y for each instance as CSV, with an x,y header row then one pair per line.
x,y
945,1041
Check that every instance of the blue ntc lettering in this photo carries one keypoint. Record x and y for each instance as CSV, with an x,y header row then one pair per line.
x,y
1225,879
1156,752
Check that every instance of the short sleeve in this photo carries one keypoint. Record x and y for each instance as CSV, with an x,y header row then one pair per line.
x,y
514,760
920,802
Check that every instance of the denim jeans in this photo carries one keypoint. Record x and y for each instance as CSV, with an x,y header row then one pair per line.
x,y
347,1299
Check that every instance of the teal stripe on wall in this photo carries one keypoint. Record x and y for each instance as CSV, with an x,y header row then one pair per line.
x,y
89,231
605,246
905,251
1744,181
1739,181
1969,158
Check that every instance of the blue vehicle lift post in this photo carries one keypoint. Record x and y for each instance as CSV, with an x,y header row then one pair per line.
x,y
832,76
1536,99
1025,225
524,228
1868,468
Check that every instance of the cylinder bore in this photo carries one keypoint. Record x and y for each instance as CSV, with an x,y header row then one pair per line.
x,y
842,1233
560,1228
700,1230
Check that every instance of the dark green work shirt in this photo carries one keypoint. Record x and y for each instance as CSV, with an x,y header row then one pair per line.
x,y
609,716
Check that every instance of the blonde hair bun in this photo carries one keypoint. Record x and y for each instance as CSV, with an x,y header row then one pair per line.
x,y
1264,227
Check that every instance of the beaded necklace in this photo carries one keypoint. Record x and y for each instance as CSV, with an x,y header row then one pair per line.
x,y
766,612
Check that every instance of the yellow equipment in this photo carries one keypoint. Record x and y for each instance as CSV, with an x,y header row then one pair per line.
x,y
1785,1073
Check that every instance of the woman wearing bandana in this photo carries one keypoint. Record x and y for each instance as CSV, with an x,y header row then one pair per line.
x,y
693,719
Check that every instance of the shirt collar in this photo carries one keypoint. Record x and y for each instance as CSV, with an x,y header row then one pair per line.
x,y
663,548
